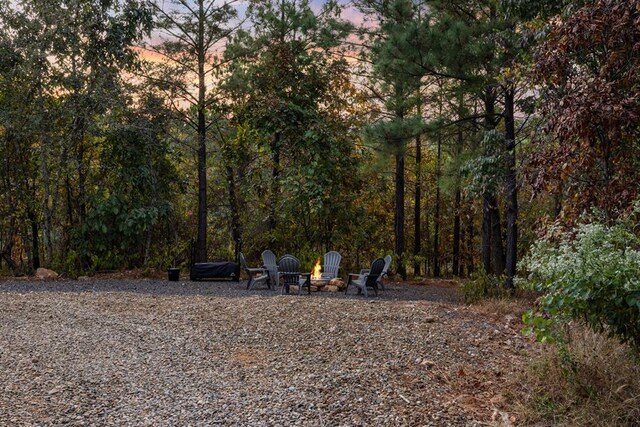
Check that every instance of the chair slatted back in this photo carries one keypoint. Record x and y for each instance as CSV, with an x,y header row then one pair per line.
x,y
331,264
376,270
289,269
387,264
269,262
243,263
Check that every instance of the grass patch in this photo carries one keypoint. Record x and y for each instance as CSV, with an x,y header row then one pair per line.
x,y
592,381
501,307
484,286
489,294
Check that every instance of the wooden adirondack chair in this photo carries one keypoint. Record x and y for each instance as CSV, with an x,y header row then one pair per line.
x,y
289,271
256,275
331,265
368,279
270,264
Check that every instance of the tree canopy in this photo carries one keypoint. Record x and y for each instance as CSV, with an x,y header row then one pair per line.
x,y
451,134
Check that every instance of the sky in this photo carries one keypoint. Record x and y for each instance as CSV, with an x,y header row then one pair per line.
x,y
350,13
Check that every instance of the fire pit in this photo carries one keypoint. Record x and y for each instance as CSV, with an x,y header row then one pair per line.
x,y
323,283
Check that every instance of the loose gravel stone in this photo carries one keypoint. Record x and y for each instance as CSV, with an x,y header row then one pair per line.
x,y
157,353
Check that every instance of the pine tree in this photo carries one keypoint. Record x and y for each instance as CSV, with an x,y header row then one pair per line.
x,y
192,32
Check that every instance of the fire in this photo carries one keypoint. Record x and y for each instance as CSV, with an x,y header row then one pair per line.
x,y
315,274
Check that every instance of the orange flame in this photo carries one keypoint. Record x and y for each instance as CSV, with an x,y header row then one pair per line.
x,y
315,274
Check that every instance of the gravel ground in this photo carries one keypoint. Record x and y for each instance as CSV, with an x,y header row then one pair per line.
x,y
157,353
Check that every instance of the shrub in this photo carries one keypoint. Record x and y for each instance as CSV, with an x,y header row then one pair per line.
x,y
483,286
602,388
592,275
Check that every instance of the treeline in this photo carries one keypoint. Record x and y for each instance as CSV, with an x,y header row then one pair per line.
x,y
448,133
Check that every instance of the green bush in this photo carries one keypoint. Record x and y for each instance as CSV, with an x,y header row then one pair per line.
x,y
481,286
591,274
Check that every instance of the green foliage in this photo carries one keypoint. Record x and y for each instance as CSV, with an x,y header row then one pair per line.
x,y
70,264
485,172
481,286
591,274
99,169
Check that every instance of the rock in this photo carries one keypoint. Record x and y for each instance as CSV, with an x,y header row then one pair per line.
x,y
429,319
330,288
427,363
339,283
314,288
46,274
83,278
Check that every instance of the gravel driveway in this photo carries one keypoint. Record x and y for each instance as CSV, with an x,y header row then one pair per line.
x,y
155,353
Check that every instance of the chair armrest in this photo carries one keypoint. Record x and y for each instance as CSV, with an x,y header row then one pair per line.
x,y
305,277
355,274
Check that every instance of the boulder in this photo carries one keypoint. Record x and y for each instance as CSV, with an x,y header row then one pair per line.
x,y
339,283
330,288
46,274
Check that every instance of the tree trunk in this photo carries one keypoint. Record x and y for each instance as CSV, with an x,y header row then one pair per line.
x,y
399,214
470,234
486,232
457,204
7,250
456,233
557,205
236,228
35,244
33,222
492,251
428,255
275,188
497,250
436,220
417,208
69,208
44,171
82,175
201,252
78,133
78,129
147,247
512,188
46,210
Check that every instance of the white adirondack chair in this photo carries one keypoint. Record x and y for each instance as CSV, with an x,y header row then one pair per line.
x,y
331,265
383,274
270,264
366,280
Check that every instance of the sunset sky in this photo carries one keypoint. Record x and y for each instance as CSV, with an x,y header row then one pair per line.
x,y
350,13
